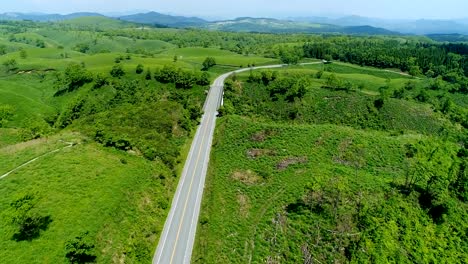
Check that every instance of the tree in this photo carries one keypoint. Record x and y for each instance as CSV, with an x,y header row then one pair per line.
x,y
139,69
208,63
185,79
117,71
319,74
167,74
204,79
298,90
333,82
175,58
34,129
415,71
100,81
82,47
23,54
10,65
27,223
148,75
6,113
3,49
80,250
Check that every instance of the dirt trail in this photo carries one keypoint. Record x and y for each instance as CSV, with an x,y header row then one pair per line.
x,y
69,145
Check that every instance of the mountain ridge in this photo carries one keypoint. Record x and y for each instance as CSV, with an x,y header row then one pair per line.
x,y
351,24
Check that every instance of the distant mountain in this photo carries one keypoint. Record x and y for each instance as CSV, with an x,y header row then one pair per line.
x,y
424,27
448,37
155,18
418,27
44,17
270,25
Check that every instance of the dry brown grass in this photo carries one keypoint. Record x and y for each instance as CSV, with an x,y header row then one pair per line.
x,y
284,164
247,177
12,149
244,205
256,153
261,136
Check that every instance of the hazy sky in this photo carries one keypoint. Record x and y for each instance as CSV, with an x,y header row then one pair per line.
x,y
231,8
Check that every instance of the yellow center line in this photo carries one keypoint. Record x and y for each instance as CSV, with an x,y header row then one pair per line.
x,y
190,189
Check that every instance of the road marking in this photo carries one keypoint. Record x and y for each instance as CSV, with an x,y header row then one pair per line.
x,y
190,190
178,192
201,186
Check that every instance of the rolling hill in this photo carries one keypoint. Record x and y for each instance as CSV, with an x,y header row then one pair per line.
x,y
155,18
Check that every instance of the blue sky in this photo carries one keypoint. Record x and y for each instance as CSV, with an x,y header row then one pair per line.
x,y
274,8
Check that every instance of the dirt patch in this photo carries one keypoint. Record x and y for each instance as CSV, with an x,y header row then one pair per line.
x,y
247,177
261,136
244,204
256,153
284,164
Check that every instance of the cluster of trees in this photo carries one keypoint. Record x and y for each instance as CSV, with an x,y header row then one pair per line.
x,y
182,78
35,42
289,88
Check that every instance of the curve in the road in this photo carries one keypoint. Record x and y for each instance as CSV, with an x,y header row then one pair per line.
x,y
178,236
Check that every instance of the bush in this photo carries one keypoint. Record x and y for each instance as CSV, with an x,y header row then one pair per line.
x,y
139,69
117,71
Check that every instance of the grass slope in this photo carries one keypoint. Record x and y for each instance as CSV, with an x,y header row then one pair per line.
x,y
120,199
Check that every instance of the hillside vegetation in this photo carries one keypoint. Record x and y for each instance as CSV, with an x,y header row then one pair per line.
x,y
335,163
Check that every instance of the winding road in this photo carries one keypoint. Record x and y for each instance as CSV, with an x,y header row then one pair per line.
x,y
178,236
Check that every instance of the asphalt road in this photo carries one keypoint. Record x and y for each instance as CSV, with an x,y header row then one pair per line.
x,y
177,239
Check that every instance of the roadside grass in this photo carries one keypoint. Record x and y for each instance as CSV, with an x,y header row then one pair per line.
x,y
120,199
